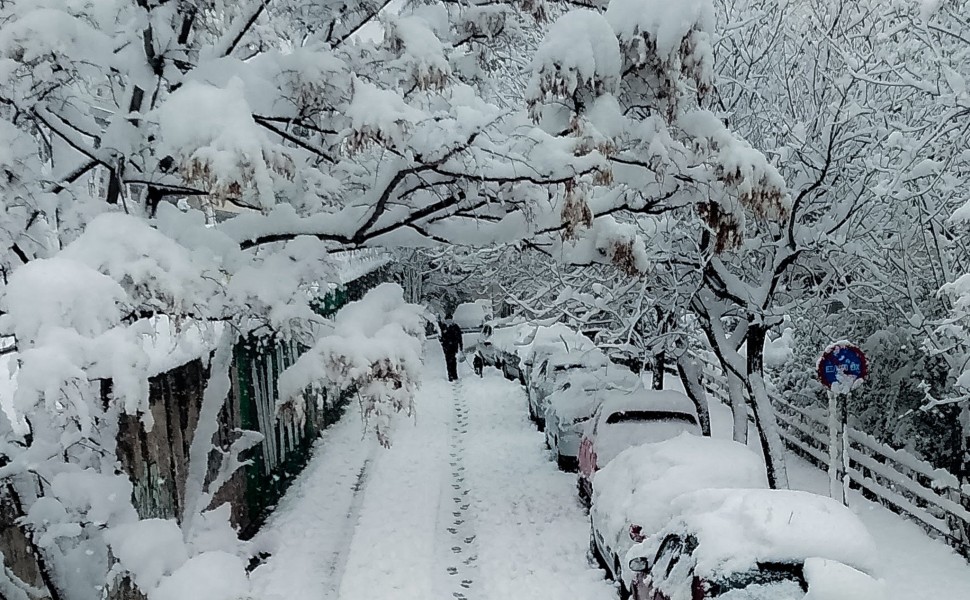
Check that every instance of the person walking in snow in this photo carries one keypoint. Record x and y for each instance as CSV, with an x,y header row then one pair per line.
x,y
451,344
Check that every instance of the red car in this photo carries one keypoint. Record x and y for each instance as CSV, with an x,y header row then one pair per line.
x,y
626,419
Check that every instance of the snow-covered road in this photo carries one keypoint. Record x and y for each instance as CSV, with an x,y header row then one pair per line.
x,y
465,504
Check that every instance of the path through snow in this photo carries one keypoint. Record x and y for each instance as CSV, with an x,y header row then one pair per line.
x,y
468,505
464,505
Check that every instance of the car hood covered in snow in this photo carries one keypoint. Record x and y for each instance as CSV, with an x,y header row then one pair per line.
x,y
638,486
736,529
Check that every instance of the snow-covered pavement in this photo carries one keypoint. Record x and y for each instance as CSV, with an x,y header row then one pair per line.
x,y
465,504
468,505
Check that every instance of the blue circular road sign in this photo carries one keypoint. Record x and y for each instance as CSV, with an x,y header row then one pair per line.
x,y
842,362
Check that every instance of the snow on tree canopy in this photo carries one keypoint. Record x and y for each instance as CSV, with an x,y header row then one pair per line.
x,y
663,23
216,143
580,53
160,272
54,294
420,52
378,116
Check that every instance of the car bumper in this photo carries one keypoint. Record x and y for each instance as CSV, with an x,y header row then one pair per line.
x,y
567,443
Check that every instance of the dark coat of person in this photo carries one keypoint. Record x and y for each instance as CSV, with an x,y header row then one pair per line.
x,y
451,338
451,344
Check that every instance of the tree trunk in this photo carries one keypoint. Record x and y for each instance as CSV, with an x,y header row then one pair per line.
x,y
763,412
739,406
690,377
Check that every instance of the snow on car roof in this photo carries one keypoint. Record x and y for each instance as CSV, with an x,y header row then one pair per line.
x,y
471,314
586,388
616,401
548,339
504,337
736,529
584,357
638,486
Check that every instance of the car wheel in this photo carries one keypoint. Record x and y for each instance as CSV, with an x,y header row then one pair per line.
x,y
583,492
566,464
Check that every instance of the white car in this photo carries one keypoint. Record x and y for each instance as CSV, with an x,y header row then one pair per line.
x,y
573,402
633,494
541,341
551,371
470,316
626,420
752,544
497,346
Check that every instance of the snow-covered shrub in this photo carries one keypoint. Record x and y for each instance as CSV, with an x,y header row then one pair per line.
x,y
373,350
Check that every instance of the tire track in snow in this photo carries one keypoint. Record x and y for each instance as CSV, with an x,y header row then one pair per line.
x,y
338,564
461,549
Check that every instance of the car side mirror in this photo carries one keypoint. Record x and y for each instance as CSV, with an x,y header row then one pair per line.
x,y
639,564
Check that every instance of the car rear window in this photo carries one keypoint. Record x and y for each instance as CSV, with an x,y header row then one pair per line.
x,y
649,415
763,574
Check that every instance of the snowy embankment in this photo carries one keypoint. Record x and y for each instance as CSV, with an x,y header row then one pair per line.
x,y
466,503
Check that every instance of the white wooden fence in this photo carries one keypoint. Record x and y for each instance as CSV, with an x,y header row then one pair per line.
x,y
905,484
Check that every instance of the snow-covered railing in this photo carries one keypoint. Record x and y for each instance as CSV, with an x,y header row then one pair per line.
x,y
354,264
905,484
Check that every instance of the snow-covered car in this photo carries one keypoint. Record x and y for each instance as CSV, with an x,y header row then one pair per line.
x,y
757,544
551,370
496,343
626,420
633,496
470,316
540,341
573,402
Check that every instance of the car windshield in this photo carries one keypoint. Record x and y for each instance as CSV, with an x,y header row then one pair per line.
x,y
649,415
764,576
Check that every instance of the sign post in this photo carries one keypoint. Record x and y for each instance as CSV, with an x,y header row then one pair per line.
x,y
841,368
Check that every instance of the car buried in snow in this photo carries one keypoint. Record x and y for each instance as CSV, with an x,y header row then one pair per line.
x,y
540,341
624,420
634,493
552,370
496,344
470,316
573,402
757,545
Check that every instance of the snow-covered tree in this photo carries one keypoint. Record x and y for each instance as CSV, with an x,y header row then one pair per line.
x,y
128,124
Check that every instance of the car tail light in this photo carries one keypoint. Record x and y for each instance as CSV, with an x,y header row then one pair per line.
x,y
636,533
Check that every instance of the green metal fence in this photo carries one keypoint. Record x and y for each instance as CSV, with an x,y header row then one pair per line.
x,y
287,444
